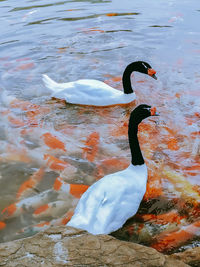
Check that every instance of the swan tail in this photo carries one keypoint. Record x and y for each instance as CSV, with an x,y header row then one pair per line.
x,y
50,84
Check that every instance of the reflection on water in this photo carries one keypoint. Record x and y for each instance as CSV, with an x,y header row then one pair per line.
x,y
43,139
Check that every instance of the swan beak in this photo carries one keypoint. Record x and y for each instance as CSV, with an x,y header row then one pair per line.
x,y
154,76
154,112
152,72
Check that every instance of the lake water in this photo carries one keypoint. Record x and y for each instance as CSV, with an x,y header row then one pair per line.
x,y
70,40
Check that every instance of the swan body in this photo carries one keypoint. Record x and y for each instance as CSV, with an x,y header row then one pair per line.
x,y
97,93
88,92
108,203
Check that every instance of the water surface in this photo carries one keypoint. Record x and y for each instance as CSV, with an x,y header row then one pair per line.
x,y
70,40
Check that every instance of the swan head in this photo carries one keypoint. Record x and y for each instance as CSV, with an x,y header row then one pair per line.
x,y
142,112
145,68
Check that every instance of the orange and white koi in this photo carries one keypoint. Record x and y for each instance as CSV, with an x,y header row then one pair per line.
x,y
75,190
54,163
53,209
65,219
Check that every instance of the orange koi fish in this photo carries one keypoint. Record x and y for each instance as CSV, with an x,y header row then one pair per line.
x,y
172,142
76,190
55,164
53,142
25,205
67,217
168,241
91,146
29,184
11,211
2,225
41,225
195,134
169,217
193,170
63,220
53,209
16,121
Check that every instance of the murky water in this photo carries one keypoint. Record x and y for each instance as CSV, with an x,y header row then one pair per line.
x,y
70,40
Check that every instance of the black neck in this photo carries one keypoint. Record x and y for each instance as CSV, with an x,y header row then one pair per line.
x,y
137,158
126,79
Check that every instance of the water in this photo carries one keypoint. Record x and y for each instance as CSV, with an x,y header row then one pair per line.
x,y
70,40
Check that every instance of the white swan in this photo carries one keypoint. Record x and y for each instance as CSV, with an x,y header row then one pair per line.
x,y
108,203
97,93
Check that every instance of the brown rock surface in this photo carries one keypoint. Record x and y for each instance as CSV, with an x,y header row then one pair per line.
x,y
190,256
66,246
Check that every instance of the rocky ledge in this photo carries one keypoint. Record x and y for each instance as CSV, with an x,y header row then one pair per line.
x,y
66,246
190,256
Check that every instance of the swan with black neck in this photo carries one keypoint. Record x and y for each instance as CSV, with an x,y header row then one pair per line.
x,y
108,203
97,93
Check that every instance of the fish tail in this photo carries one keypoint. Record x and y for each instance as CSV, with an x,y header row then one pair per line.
x,y
64,219
30,184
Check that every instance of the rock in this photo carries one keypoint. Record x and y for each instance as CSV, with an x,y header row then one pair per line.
x,y
67,246
189,256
